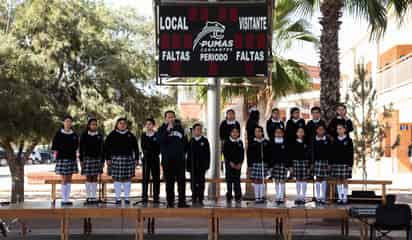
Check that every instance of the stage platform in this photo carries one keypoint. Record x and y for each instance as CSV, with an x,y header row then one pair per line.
x,y
282,216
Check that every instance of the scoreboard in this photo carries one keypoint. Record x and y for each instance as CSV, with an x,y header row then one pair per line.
x,y
220,40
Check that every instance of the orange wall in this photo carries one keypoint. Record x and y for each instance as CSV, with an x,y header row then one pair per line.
x,y
394,54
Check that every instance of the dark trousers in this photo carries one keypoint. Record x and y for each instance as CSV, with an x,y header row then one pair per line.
x,y
197,181
175,173
233,182
151,167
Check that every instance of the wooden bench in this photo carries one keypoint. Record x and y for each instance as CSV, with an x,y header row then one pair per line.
x,y
54,180
214,214
276,214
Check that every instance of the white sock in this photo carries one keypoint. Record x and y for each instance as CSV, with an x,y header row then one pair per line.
x,y
324,186
63,192
257,191
317,188
345,191
282,190
298,190
277,188
262,191
68,190
340,191
117,189
93,189
304,188
88,190
126,188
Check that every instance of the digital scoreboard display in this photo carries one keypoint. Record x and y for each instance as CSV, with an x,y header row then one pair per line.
x,y
221,40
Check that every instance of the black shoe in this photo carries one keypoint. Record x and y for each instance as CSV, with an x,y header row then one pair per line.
x,y
182,205
238,200
229,199
170,205
298,202
68,203
118,202
127,201
201,203
156,201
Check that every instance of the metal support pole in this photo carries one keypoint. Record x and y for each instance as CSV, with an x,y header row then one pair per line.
x,y
213,120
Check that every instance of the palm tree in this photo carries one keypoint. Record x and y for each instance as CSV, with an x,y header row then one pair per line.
x,y
374,11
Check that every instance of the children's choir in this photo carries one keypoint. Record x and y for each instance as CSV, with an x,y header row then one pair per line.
x,y
301,151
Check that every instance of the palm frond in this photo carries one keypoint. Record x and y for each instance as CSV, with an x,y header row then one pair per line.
x,y
374,11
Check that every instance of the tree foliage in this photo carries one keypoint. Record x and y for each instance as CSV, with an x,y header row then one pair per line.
x,y
76,57
368,131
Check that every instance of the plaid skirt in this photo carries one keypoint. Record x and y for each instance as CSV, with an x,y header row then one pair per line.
x,y
341,171
321,169
279,172
92,166
66,166
301,170
258,171
122,167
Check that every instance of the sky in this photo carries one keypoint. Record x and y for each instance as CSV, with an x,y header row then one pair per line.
x,y
351,31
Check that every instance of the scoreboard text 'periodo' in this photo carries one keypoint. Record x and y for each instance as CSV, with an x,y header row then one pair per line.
x,y
213,40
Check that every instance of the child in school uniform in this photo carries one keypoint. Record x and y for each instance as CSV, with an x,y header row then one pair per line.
x,y
342,119
310,130
279,164
298,155
258,157
294,123
151,161
342,162
122,155
273,123
321,155
91,158
233,152
226,125
198,162
65,144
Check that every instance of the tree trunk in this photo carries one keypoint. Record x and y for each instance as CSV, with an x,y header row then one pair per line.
x,y
17,182
329,56
16,165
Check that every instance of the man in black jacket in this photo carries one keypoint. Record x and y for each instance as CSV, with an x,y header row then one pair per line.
x,y
172,142
198,162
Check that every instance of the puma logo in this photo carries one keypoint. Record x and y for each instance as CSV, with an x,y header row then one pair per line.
x,y
215,29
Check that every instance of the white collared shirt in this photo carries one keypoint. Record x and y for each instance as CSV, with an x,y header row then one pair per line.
x,y
150,134
319,139
295,120
315,120
259,140
231,122
197,138
92,133
342,137
234,140
122,132
278,140
299,140
64,132
275,121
